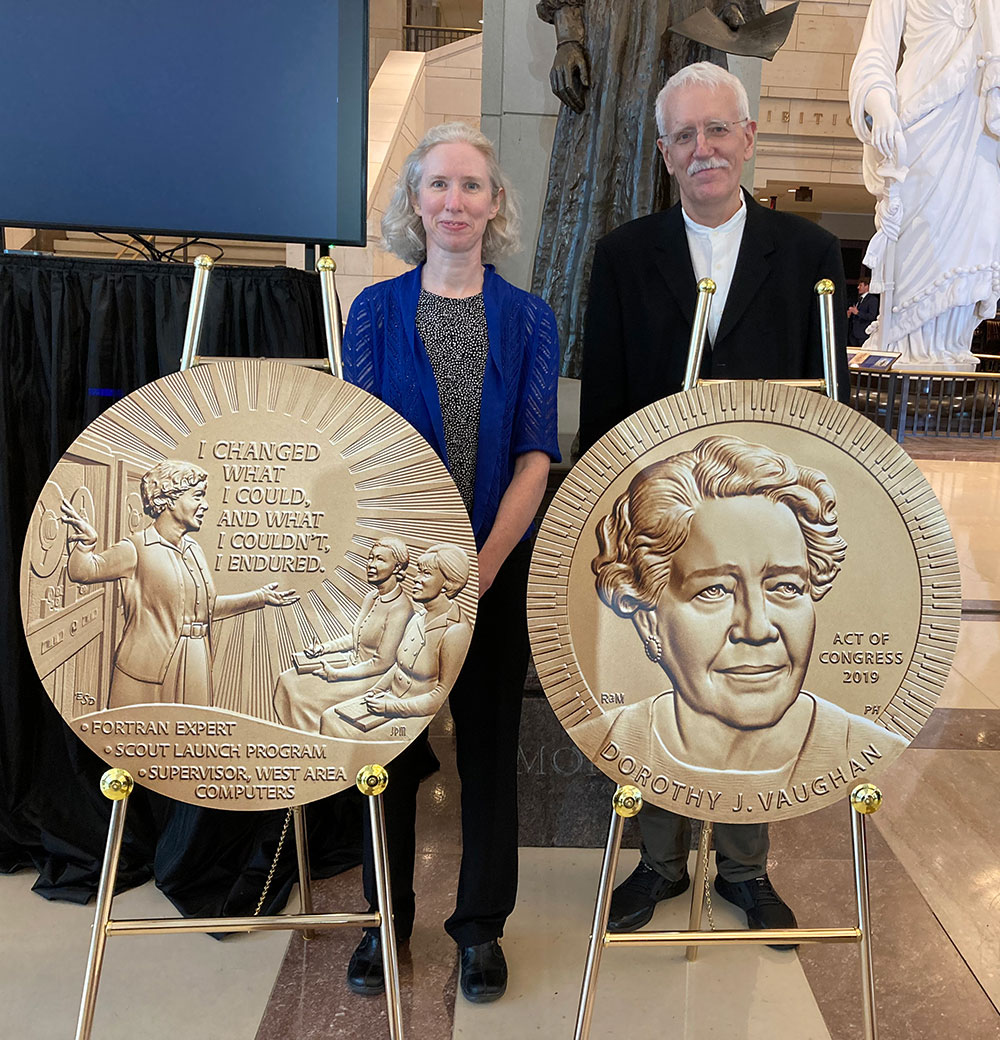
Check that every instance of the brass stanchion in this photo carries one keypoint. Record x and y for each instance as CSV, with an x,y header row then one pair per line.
x,y
203,265
302,856
372,781
116,784
864,800
626,803
737,937
824,290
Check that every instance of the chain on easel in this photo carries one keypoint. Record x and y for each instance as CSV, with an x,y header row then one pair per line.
x,y
274,863
709,909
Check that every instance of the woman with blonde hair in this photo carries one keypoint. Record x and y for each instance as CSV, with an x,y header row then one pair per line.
x,y
472,363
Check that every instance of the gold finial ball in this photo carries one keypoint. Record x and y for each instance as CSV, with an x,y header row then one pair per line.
x,y
706,285
372,780
627,801
204,260
326,263
824,287
117,784
866,798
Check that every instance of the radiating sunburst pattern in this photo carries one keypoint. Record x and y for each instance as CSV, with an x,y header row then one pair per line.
x,y
306,472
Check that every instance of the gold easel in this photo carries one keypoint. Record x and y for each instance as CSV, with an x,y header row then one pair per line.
x,y
865,798
824,289
117,784
332,324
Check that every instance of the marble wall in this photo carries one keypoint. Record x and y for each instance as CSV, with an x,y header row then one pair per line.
x,y
519,113
454,75
804,126
385,31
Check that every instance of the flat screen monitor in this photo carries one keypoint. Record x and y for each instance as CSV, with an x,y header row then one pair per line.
x,y
191,117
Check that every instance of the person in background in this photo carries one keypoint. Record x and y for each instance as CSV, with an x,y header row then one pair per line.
x,y
861,314
472,362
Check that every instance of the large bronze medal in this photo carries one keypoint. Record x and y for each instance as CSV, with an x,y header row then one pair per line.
x,y
744,600
247,580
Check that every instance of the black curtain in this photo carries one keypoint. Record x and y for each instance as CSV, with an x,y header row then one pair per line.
x,y
76,335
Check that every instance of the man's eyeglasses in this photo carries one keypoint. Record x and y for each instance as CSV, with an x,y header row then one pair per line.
x,y
716,131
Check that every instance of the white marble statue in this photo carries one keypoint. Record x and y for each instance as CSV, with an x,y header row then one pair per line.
x,y
932,160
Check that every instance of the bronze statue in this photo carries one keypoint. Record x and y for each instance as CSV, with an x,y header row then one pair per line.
x,y
611,60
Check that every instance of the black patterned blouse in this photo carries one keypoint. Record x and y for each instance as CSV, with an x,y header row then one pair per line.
x,y
456,339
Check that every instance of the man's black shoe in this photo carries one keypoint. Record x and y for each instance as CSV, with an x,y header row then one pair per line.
x,y
763,906
633,901
484,972
364,972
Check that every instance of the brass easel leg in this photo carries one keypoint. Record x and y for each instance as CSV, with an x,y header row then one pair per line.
x,y
372,781
116,784
331,314
865,799
302,855
196,310
696,348
626,802
698,886
824,289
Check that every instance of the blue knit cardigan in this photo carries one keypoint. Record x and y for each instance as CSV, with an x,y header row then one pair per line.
x,y
384,354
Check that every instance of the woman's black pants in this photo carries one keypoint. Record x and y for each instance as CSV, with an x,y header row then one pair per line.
x,y
486,707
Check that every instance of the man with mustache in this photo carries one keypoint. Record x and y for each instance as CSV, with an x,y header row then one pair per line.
x,y
763,324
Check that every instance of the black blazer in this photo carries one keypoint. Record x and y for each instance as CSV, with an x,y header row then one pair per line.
x,y
642,301
858,323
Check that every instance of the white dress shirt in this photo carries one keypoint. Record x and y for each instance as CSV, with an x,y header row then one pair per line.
x,y
713,255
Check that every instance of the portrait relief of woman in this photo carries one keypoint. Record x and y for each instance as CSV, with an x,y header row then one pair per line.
x,y
428,657
336,670
168,594
718,556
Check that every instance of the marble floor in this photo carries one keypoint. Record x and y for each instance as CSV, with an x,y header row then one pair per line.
x,y
935,888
